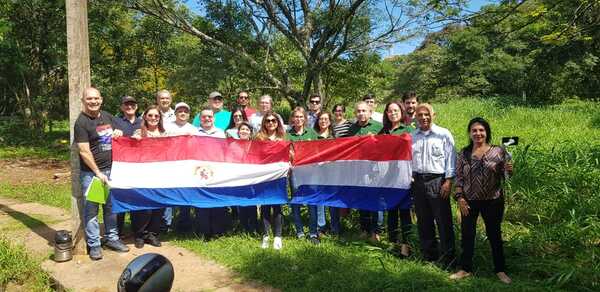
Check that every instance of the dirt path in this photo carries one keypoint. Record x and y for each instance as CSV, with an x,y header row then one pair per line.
x,y
34,225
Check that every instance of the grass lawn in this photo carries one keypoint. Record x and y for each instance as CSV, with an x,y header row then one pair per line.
x,y
19,271
551,228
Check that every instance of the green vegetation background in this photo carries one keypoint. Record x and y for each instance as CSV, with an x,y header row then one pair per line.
x,y
551,227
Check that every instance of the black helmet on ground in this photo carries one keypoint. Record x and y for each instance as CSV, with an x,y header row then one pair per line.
x,y
149,272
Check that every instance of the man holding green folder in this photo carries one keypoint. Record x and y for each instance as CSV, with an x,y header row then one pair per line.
x,y
93,134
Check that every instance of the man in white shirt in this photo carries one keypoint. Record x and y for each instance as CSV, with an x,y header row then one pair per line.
x,y
433,166
211,221
181,126
163,100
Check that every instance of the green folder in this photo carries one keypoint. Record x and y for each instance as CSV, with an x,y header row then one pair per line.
x,y
97,191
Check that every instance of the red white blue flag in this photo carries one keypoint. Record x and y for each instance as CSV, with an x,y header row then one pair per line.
x,y
365,172
197,171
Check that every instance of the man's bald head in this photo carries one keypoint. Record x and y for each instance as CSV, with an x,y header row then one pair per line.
x,y
92,101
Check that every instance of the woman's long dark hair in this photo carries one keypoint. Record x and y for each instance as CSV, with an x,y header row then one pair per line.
x,y
231,122
387,124
488,133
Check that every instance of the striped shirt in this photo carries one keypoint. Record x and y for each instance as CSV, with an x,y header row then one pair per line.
x,y
342,129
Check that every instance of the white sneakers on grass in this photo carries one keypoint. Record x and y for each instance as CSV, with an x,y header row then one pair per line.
x,y
265,242
277,242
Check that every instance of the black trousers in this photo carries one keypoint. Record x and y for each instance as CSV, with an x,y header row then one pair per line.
x,y
271,220
368,222
492,212
248,218
212,221
121,223
145,222
433,210
405,224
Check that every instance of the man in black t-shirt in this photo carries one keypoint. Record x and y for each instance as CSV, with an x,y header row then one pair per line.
x,y
93,134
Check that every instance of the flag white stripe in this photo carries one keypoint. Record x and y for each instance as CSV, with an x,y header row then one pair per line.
x,y
193,173
366,173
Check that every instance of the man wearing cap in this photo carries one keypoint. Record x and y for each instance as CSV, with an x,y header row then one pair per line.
x,y
221,116
177,128
243,101
93,132
211,221
181,126
164,100
127,122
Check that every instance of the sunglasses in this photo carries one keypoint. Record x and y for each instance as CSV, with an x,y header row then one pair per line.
x,y
269,121
153,115
242,97
315,101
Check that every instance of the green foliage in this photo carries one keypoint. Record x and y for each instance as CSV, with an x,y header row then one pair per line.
x,y
18,270
539,49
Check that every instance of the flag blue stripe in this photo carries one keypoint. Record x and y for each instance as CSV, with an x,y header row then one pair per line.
x,y
267,193
356,197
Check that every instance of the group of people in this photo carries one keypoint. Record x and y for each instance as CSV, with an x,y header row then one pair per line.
x,y
477,172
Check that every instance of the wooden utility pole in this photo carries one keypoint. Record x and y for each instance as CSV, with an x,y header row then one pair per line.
x,y
79,79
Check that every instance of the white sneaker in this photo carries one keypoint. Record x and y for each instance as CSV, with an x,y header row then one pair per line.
x,y
277,243
265,242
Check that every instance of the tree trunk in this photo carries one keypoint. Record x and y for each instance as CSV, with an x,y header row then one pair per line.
x,y
79,80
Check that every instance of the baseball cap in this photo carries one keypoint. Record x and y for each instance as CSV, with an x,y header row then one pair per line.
x,y
182,104
214,94
128,98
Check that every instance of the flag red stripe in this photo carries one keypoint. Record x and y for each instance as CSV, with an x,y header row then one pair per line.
x,y
374,148
199,148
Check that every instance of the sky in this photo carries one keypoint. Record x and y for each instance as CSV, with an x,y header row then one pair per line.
x,y
407,47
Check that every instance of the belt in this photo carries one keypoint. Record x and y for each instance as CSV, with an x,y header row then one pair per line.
x,y
427,176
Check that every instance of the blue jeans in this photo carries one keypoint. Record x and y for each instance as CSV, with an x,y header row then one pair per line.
x,y
321,216
90,214
312,220
167,216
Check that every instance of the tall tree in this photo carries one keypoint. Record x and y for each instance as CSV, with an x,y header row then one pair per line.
x,y
320,32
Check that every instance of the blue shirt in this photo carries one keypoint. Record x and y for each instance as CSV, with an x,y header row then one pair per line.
x,y
123,124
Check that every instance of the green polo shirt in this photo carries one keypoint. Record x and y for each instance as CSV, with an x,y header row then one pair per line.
x,y
308,135
372,127
402,129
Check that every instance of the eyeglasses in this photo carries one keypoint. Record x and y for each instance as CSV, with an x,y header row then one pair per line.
x,y
269,121
315,101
